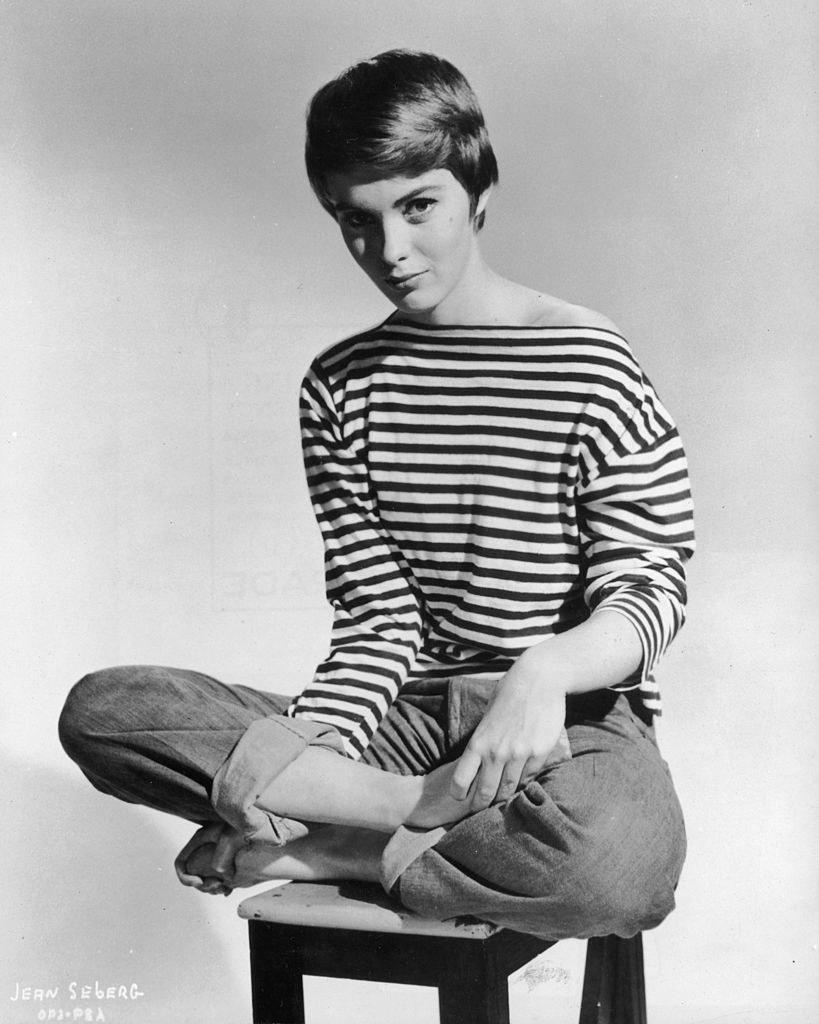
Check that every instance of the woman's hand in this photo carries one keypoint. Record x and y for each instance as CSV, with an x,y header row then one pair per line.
x,y
206,861
515,736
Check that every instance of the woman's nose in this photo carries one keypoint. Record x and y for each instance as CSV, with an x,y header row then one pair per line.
x,y
394,242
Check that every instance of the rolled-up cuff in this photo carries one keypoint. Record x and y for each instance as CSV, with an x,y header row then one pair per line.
x,y
405,846
265,749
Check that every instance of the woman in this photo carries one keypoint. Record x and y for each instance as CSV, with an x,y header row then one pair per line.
x,y
506,516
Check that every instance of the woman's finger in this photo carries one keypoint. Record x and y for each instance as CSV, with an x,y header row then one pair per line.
x,y
531,770
467,768
486,784
509,781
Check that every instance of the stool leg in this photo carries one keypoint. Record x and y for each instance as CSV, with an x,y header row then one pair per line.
x,y
276,970
475,989
614,982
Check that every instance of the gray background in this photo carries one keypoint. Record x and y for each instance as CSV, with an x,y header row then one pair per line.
x,y
167,277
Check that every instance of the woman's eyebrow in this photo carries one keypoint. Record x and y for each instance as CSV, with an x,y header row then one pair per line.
x,y
417,192
342,207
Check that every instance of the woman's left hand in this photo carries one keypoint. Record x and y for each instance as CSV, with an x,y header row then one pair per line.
x,y
520,728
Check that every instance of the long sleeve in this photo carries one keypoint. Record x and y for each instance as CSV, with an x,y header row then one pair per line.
x,y
637,530
377,625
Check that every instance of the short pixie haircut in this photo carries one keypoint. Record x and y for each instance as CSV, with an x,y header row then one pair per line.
x,y
402,112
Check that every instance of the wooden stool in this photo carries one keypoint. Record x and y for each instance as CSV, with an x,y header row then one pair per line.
x,y
353,930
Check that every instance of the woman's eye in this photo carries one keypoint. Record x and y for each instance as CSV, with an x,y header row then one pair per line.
x,y
419,207
356,221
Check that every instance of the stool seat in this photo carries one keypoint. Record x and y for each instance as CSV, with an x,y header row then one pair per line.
x,y
354,930
357,906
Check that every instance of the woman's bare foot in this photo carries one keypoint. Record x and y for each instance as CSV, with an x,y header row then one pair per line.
x,y
328,852
216,859
220,842
200,862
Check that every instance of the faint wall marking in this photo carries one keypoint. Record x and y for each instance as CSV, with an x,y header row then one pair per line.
x,y
543,972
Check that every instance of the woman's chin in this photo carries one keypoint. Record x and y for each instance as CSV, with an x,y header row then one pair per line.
x,y
414,305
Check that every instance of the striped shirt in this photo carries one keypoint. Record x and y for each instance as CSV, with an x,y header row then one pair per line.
x,y
479,490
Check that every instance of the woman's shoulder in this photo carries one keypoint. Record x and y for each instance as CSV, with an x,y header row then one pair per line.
x,y
549,311
594,339
338,355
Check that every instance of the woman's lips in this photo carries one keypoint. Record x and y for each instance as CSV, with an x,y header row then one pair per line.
x,y
404,282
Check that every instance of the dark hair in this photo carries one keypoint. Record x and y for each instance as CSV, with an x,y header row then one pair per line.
x,y
400,112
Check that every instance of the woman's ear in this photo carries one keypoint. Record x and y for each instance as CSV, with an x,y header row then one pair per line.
x,y
480,208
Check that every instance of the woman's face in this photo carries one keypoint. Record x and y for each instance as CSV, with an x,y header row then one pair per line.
x,y
414,237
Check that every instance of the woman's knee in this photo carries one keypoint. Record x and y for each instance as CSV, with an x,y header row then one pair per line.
x,y
94,706
613,874
607,893
616,846
628,905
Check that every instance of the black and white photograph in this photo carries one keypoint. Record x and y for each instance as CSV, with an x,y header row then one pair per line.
x,y
409,512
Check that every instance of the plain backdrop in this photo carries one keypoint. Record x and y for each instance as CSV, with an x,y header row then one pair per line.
x,y
167,277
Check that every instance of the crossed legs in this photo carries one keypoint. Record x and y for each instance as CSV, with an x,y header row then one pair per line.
x,y
592,846
164,737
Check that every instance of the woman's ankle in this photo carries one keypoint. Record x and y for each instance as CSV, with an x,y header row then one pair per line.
x,y
355,853
327,852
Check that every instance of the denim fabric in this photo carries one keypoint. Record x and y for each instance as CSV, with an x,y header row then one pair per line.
x,y
268,745
183,742
593,846
467,698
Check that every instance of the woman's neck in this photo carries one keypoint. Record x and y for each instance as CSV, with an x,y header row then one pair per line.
x,y
485,298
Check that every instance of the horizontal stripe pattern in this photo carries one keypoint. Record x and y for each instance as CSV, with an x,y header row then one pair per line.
x,y
480,490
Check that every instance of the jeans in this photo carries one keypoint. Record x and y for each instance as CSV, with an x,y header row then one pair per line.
x,y
594,845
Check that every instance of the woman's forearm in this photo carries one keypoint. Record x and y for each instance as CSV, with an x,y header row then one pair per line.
x,y
600,652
